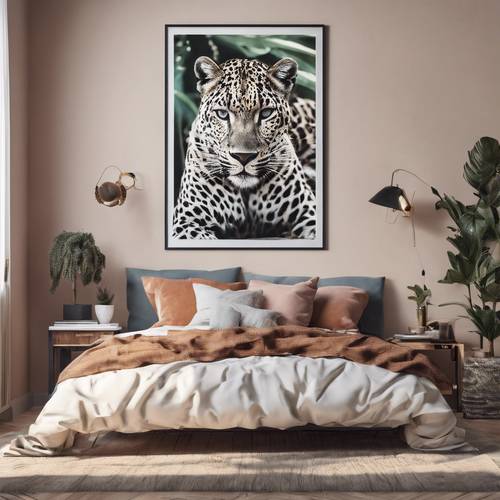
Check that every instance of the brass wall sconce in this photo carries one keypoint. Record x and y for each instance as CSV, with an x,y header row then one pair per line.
x,y
112,194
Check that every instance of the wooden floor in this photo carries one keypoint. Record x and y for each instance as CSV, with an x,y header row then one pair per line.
x,y
256,496
485,434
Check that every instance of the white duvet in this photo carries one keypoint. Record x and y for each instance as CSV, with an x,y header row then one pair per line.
x,y
277,392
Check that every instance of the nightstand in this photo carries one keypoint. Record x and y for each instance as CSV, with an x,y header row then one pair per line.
x,y
449,357
66,345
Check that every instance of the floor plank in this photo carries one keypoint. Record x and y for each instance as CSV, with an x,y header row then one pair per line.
x,y
255,496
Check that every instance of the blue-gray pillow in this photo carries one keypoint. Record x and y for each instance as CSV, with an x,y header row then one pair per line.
x,y
141,314
372,320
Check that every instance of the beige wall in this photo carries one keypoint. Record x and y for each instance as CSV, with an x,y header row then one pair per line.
x,y
19,197
411,84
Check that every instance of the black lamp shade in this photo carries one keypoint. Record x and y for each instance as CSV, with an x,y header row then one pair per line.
x,y
391,197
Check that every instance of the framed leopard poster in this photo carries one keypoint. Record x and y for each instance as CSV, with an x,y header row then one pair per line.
x,y
244,129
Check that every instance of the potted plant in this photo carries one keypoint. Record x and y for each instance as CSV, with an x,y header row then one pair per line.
x,y
104,309
475,234
421,296
73,255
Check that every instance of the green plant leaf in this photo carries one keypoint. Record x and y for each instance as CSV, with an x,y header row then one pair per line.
x,y
461,304
483,164
472,223
454,207
421,294
104,297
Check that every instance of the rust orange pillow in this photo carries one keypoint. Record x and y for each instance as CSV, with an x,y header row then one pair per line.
x,y
174,300
338,307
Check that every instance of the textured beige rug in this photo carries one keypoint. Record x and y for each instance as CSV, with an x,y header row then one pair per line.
x,y
250,461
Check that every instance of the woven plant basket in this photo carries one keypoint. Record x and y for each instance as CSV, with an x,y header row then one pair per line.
x,y
481,389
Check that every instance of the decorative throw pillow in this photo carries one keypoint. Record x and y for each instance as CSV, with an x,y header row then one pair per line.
x,y
338,307
224,315
229,315
257,318
207,297
293,302
141,314
174,300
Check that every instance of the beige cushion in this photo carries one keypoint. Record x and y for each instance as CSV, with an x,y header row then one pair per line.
x,y
338,307
293,302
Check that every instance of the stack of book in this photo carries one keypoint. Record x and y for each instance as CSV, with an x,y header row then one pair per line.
x,y
430,335
90,325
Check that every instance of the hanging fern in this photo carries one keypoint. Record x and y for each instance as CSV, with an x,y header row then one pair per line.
x,y
73,255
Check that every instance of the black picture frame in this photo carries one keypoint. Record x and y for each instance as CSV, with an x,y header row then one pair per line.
x,y
322,59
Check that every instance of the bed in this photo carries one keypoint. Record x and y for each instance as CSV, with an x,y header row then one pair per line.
x,y
242,390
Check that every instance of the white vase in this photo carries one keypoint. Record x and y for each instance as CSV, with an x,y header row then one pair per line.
x,y
104,314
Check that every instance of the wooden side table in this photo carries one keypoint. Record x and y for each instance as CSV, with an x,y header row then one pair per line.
x,y
66,345
449,357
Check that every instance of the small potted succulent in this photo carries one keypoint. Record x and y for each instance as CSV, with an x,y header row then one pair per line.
x,y
421,296
104,309
73,255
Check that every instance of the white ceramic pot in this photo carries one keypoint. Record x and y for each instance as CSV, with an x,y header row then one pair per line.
x,y
104,314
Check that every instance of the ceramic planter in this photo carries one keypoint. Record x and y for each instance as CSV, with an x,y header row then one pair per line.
x,y
481,391
104,314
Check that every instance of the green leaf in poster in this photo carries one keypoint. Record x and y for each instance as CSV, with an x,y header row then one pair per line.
x,y
292,47
257,46
186,103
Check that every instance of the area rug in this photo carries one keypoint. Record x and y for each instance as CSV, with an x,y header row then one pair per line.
x,y
250,461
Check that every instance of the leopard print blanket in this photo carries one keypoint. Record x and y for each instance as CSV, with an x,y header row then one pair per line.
x,y
205,346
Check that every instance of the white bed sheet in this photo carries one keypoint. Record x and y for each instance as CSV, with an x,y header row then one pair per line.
x,y
277,392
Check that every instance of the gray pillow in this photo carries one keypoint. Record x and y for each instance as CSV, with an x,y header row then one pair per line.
x,y
258,318
251,298
224,315
140,313
229,315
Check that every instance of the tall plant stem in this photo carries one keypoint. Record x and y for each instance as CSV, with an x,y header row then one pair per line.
x,y
492,341
469,293
73,286
483,304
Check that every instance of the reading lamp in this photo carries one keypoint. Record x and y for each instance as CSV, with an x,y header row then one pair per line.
x,y
394,197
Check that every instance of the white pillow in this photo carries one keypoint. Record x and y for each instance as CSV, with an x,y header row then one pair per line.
x,y
207,297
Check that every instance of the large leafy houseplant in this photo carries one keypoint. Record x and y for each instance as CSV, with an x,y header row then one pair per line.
x,y
75,255
475,235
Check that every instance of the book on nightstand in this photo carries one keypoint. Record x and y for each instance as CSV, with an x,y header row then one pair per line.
x,y
73,321
430,336
83,326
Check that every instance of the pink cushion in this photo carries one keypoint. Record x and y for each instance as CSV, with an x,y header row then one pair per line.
x,y
338,307
293,302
